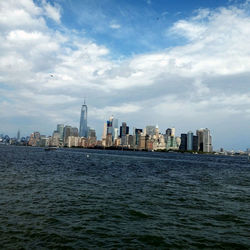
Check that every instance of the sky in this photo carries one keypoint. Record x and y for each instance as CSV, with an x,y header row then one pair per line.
x,y
182,64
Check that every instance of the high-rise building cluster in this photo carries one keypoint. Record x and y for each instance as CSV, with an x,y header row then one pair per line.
x,y
151,139
114,136
202,141
67,136
64,136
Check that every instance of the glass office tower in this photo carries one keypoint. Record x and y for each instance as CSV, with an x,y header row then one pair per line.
x,y
83,130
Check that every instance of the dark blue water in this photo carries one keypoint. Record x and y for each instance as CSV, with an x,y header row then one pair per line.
x,y
64,199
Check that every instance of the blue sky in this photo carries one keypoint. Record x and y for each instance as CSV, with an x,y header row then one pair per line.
x,y
131,27
173,63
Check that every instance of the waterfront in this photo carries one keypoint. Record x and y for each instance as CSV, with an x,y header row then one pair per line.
x,y
80,198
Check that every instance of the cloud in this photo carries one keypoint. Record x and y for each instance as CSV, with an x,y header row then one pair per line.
x,y
115,26
20,14
52,12
124,108
45,73
189,30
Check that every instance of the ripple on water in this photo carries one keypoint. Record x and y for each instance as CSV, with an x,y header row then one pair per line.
x,y
139,215
115,199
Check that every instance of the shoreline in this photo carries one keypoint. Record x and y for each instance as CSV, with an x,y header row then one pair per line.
x,y
135,150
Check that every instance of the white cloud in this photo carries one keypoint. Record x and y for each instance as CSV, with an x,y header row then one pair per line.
x,y
52,12
189,30
124,108
47,73
115,26
20,14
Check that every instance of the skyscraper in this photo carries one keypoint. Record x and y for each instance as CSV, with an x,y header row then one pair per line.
x,y
195,143
183,145
124,130
190,140
67,131
114,128
83,130
207,146
60,128
199,134
137,133
204,140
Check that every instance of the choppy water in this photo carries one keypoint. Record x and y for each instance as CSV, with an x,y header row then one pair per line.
x,y
111,199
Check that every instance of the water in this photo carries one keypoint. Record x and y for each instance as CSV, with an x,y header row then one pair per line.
x,y
64,199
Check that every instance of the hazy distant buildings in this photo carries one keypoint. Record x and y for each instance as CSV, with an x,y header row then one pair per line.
x,y
83,130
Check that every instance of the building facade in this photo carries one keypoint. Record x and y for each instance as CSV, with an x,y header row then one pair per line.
x,y
190,141
59,129
83,130
183,145
204,140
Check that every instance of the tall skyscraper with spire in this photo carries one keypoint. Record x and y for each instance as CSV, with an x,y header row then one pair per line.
x,y
83,130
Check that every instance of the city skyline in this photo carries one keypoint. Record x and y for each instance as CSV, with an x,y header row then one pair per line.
x,y
111,126
146,62
149,138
